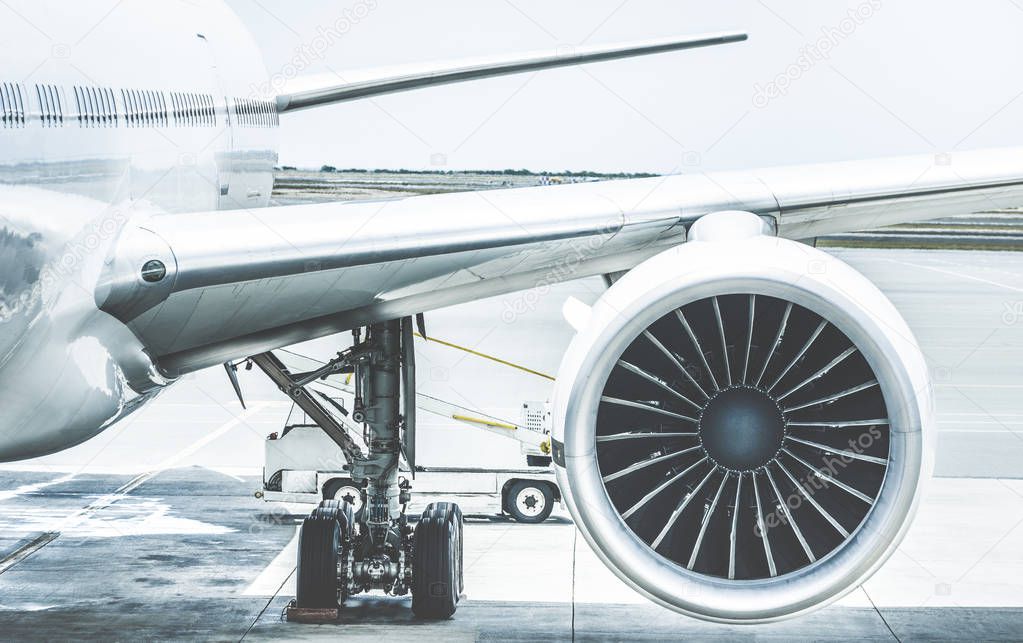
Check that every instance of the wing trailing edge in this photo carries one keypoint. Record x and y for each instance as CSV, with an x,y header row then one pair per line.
x,y
336,88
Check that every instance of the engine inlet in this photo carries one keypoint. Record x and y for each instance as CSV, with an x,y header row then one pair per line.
x,y
742,437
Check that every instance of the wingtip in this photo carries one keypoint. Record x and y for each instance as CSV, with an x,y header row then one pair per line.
x,y
734,36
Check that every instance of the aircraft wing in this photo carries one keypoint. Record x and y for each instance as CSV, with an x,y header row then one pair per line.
x,y
313,91
245,281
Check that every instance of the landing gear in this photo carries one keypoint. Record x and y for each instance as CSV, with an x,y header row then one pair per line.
x,y
345,550
437,565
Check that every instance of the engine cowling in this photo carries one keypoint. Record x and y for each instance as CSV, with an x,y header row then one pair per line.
x,y
742,425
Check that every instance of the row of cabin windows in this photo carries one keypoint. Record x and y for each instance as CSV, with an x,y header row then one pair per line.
x,y
256,113
100,107
51,107
144,108
12,105
194,109
96,107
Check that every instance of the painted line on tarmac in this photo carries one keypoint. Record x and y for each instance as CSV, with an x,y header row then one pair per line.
x,y
956,273
276,574
36,486
209,437
109,499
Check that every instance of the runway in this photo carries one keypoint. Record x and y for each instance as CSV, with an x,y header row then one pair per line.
x,y
189,554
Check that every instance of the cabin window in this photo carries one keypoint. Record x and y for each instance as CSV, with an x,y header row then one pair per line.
x,y
163,108
104,109
127,107
92,106
113,106
19,104
108,112
57,108
147,107
138,100
44,106
6,106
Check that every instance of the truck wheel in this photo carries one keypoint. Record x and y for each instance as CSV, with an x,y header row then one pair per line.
x,y
319,547
344,490
435,567
530,502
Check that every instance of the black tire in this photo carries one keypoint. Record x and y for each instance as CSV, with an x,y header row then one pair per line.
x,y
340,511
319,546
436,567
536,500
329,504
451,511
335,485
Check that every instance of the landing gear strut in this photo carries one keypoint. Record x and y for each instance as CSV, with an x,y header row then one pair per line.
x,y
340,553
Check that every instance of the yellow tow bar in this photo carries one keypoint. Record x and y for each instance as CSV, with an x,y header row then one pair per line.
x,y
485,356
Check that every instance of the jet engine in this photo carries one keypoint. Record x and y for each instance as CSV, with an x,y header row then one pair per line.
x,y
742,425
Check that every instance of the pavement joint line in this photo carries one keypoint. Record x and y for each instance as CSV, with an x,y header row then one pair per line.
x,y
880,615
269,602
268,582
26,550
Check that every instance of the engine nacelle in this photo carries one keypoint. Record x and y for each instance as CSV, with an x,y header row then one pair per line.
x,y
742,425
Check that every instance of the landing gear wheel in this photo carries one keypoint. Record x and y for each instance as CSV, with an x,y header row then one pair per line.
x,y
437,562
530,502
319,550
454,512
342,512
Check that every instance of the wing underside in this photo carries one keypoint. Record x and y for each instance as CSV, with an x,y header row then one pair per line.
x,y
241,282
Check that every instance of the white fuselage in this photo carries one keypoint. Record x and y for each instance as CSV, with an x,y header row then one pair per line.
x,y
105,118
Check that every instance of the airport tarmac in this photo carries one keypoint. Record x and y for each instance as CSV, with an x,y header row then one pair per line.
x,y
190,554
185,551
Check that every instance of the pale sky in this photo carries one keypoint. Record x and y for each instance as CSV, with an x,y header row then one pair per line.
x,y
903,77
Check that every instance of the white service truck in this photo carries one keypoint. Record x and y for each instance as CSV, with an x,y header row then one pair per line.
x,y
303,464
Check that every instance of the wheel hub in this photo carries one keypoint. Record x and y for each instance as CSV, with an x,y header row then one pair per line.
x,y
741,428
530,502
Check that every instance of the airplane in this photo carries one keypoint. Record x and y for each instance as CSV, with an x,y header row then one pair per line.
x,y
741,425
